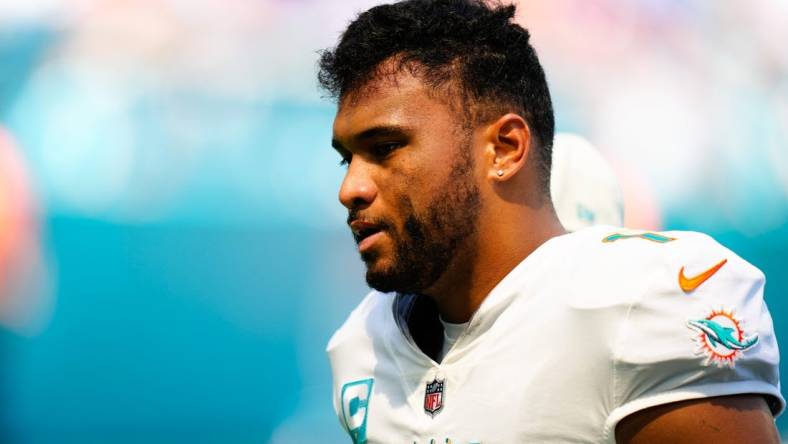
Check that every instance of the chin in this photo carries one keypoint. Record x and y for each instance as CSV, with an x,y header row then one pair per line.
x,y
376,270
382,283
391,279
383,278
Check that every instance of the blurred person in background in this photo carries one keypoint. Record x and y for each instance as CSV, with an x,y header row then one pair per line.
x,y
488,323
584,188
25,299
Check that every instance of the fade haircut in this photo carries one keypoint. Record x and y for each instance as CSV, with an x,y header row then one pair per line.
x,y
474,48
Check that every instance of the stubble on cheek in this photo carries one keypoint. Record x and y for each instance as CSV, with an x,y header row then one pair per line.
x,y
399,183
424,242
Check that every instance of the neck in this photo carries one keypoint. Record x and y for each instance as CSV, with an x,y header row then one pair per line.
x,y
495,250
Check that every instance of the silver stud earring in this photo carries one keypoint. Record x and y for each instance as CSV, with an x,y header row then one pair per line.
x,y
500,173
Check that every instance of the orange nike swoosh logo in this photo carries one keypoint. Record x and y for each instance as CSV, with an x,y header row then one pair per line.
x,y
689,284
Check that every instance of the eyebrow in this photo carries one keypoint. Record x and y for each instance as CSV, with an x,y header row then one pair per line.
x,y
373,133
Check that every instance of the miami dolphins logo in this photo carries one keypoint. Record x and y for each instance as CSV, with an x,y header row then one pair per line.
x,y
720,337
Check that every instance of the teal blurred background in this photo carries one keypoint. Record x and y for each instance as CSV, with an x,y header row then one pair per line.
x,y
173,258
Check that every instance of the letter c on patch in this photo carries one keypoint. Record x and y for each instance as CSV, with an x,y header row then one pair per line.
x,y
355,406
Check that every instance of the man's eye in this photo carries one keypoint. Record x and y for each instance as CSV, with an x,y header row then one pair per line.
x,y
384,149
345,160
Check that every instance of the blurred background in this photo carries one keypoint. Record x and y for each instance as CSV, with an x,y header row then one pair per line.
x,y
173,258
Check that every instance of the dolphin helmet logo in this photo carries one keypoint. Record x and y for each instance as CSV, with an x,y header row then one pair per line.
x,y
721,337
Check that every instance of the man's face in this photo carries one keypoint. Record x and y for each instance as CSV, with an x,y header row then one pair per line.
x,y
410,188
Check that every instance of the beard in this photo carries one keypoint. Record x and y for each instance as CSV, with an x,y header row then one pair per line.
x,y
428,242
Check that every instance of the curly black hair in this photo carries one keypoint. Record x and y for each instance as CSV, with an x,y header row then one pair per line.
x,y
470,44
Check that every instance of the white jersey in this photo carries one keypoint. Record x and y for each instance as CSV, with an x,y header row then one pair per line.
x,y
591,327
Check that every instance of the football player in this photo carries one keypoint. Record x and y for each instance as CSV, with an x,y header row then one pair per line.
x,y
488,323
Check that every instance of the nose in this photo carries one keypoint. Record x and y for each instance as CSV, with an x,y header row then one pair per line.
x,y
358,190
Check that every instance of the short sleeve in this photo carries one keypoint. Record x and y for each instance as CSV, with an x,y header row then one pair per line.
x,y
701,329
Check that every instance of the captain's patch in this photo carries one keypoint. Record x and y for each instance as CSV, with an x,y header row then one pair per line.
x,y
355,407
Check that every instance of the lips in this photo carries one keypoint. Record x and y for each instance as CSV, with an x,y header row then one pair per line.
x,y
364,229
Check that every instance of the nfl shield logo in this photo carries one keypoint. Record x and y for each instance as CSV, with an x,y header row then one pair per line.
x,y
433,397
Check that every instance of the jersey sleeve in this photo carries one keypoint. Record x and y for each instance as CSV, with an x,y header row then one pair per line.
x,y
352,358
701,329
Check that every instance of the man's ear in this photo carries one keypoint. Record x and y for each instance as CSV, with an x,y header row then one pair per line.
x,y
508,141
